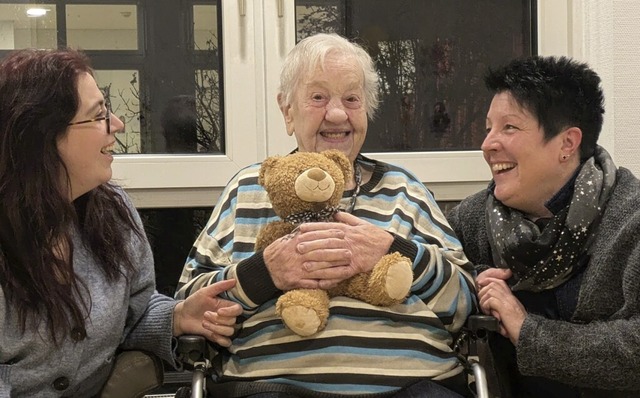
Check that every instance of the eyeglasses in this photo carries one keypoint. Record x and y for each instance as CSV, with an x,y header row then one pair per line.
x,y
106,118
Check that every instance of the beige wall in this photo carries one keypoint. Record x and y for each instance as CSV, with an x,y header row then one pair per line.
x,y
611,44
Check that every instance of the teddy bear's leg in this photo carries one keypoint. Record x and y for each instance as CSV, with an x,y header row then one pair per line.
x,y
304,311
397,277
388,283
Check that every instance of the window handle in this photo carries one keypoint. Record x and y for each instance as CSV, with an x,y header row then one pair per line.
x,y
242,5
280,8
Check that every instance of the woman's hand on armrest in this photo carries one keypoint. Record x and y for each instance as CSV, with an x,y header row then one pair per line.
x,y
206,314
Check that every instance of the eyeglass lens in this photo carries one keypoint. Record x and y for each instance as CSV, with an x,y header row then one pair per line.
x,y
107,105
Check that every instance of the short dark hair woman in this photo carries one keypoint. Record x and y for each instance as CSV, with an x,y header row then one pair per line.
x,y
556,236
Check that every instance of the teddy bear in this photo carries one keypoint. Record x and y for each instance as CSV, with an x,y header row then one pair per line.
x,y
307,187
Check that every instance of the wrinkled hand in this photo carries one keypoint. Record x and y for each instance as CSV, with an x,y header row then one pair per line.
x,y
497,273
497,299
366,243
289,266
205,314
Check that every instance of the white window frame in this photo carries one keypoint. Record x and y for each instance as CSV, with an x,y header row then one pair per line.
x,y
257,37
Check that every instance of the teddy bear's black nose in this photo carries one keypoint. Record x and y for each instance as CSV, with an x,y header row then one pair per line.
x,y
316,174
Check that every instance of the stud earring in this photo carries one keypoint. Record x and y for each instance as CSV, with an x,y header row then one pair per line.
x,y
564,157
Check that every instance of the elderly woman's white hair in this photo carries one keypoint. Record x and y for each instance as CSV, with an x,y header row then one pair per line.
x,y
312,51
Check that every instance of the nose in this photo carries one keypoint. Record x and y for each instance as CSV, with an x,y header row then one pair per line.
x,y
335,113
490,143
316,174
117,125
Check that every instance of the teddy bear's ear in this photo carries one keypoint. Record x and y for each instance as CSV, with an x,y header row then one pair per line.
x,y
341,160
266,165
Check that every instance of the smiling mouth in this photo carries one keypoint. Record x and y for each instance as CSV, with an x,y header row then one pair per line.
x,y
108,149
502,167
332,135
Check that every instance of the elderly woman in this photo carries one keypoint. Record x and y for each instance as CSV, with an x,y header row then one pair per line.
x,y
329,90
556,236
76,271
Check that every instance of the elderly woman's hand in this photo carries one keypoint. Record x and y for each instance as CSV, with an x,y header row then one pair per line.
x,y
291,259
366,243
497,299
205,314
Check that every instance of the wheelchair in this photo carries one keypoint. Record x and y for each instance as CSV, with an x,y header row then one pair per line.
x,y
471,346
134,374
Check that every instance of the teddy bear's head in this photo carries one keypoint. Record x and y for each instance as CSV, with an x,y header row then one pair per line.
x,y
305,182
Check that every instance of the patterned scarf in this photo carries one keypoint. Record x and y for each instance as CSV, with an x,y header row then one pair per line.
x,y
325,214
545,259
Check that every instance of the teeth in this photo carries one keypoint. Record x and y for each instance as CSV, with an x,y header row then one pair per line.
x,y
333,135
108,149
502,166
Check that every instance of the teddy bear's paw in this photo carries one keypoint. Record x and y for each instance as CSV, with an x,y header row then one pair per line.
x,y
398,280
301,320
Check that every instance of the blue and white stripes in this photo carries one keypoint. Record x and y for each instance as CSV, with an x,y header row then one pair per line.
x,y
364,348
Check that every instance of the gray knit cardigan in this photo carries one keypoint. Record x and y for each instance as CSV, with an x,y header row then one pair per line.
x,y
126,315
599,350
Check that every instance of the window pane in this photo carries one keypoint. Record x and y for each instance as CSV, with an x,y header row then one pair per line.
x,y
430,65
209,134
123,90
319,16
102,27
169,95
27,26
210,137
205,27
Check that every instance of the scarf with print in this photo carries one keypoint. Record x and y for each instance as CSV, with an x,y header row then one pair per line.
x,y
544,259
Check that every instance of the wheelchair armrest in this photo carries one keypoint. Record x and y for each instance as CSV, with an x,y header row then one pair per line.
x,y
482,323
134,374
191,349
192,354
479,359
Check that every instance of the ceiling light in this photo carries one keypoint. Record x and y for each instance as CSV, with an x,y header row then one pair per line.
x,y
36,12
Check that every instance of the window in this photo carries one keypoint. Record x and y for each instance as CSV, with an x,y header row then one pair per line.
x,y
166,63
195,80
430,65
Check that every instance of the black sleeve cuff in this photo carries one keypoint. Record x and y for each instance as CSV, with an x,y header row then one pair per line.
x,y
404,246
256,280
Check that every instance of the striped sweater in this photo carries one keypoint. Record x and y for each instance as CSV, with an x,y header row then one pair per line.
x,y
364,349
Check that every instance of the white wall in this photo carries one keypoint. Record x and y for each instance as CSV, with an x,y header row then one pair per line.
x,y
6,35
608,33
625,53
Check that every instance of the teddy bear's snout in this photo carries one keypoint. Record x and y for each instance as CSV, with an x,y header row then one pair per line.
x,y
317,174
314,185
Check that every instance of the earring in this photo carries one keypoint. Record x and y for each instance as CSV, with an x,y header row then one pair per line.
x,y
565,157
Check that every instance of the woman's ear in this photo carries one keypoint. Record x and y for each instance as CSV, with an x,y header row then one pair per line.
x,y
572,138
286,113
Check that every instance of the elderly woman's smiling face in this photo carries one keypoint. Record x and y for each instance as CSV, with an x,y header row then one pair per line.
x,y
327,110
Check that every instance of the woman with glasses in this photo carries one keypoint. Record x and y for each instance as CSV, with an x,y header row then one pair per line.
x,y
76,271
